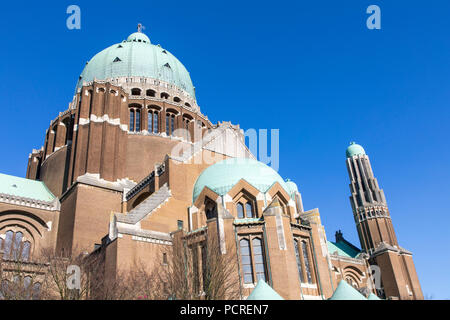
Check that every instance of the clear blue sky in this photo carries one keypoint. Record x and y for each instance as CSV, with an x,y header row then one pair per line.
x,y
310,68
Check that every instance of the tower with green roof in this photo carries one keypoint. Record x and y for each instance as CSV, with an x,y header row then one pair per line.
x,y
376,231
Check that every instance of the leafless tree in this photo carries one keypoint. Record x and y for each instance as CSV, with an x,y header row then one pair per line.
x,y
200,270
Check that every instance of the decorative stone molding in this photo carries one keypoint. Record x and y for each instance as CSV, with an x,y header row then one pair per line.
x,y
337,257
95,180
29,202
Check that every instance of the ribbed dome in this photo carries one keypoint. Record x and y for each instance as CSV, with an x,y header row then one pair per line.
x,y
354,150
137,57
222,176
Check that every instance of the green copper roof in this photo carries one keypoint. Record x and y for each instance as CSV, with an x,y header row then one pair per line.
x,y
354,150
343,249
263,291
372,297
292,187
344,291
222,176
26,188
137,57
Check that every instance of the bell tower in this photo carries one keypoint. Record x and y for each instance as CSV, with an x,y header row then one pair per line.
x,y
376,232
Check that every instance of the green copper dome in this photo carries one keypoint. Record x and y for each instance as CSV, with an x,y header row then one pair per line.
x,y
137,57
263,291
344,291
292,186
222,176
354,150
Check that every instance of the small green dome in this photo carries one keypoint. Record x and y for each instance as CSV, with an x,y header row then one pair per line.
x,y
344,291
292,186
263,291
354,150
137,57
222,176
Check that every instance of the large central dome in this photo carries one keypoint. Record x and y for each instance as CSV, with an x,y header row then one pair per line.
x,y
137,57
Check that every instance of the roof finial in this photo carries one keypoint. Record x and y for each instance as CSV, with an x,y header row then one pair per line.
x,y
140,27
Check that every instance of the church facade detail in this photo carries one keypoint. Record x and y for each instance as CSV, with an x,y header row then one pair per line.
x,y
107,178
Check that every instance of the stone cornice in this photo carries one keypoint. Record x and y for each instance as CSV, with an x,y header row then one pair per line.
x,y
347,259
29,202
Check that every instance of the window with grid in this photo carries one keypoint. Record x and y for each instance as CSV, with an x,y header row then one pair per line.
x,y
246,260
14,247
259,259
306,259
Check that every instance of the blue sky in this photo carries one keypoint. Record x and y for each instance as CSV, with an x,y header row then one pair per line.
x,y
309,68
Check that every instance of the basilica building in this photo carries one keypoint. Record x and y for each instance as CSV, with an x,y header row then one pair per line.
x,y
133,163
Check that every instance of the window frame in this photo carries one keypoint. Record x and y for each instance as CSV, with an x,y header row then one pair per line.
x,y
250,239
14,250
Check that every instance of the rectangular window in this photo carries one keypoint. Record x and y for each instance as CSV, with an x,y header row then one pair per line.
x,y
131,120
138,120
150,121
259,259
167,124
180,224
155,122
307,264
247,267
299,261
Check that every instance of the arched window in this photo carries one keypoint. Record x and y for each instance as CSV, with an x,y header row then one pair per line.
x,y
8,244
136,92
249,210
25,255
17,245
240,210
152,120
246,259
14,247
245,208
210,209
186,120
164,95
170,123
135,118
187,105
150,93
176,99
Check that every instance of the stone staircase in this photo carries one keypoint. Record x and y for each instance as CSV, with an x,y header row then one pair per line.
x,y
146,206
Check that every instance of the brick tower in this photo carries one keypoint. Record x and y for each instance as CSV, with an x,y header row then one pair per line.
x,y
376,232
